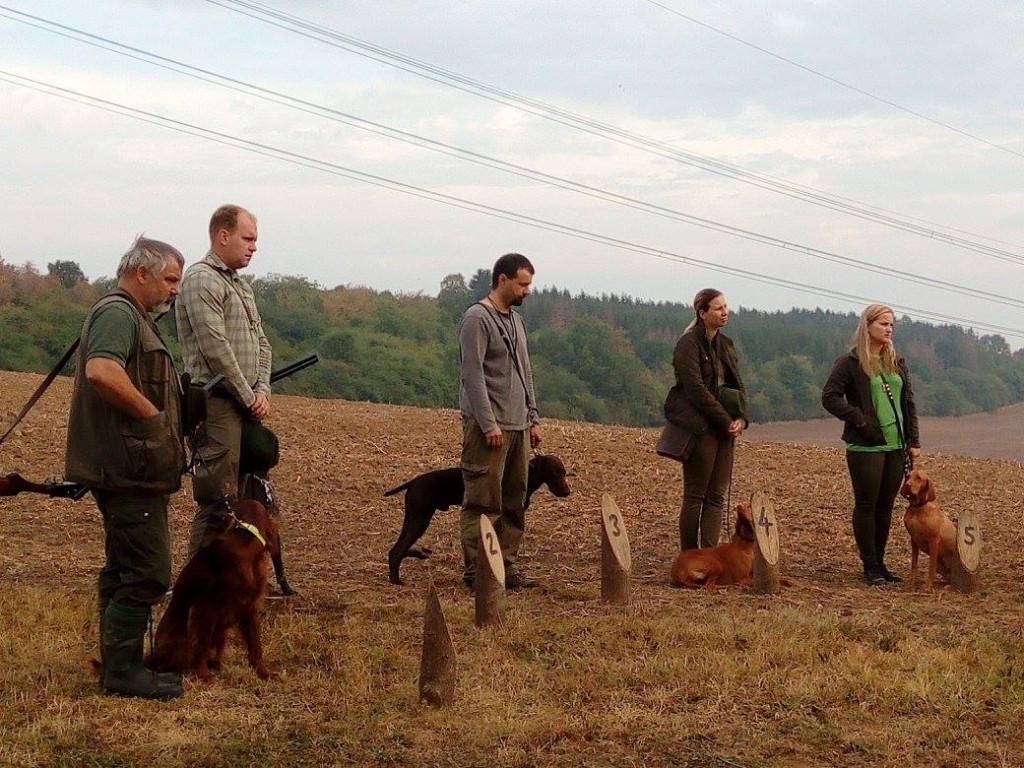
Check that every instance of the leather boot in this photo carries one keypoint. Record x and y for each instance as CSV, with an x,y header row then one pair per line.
x,y
123,634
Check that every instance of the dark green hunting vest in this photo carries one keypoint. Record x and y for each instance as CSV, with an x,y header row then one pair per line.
x,y
112,451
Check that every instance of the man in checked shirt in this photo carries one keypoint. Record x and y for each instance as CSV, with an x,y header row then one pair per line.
x,y
221,333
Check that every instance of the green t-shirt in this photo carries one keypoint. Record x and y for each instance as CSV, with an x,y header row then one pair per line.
x,y
887,416
112,333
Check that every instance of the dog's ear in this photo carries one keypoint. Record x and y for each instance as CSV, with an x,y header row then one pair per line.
x,y
928,491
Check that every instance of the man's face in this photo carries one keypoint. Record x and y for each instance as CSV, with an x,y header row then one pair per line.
x,y
236,248
515,289
159,290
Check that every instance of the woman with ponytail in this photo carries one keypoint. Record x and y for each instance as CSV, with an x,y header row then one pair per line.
x,y
708,402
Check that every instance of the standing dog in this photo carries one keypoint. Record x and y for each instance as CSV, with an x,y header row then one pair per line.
x,y
731,563
931,531
222,586
443,488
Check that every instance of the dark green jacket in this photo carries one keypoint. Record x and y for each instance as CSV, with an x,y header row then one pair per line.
x,y
692,403
112,451
847,396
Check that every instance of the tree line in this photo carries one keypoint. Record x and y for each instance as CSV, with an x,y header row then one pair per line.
x,y
603,359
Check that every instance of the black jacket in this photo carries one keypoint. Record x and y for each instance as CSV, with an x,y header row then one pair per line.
x,y
692,402
847,396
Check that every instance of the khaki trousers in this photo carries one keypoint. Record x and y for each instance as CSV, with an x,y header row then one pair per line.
x,y
495,481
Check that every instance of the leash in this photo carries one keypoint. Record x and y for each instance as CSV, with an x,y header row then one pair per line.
x,y
198,461
908,460
727,512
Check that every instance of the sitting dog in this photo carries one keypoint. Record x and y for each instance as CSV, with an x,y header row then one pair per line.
x,y
731,563
223,585
443,488
931,531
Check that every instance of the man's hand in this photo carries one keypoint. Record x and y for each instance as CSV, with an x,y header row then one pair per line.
x,y
260,408
534,435
736,428
494,438
113,385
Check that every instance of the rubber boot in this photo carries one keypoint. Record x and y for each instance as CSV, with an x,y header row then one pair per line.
x,y
123,635
103,603
282,580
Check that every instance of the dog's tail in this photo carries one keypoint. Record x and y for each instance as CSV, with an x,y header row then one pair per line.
x,y
398,488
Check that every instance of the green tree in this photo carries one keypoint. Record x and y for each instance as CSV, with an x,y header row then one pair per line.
x,y
67,273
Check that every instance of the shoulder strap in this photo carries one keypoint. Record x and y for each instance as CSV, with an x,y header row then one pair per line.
x,y
65,358
42,387
230,282
492,313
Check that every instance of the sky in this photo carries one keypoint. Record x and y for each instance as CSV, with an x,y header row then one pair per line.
x,y
605,133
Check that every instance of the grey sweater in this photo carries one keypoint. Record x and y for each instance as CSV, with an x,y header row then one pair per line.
x,y
491,391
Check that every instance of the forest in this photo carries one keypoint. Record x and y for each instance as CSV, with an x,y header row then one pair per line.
x,y
604,359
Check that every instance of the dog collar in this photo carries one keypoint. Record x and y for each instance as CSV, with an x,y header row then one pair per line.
x,y
253,530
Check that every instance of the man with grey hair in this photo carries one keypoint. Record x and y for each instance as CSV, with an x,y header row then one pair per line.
x,y
125,444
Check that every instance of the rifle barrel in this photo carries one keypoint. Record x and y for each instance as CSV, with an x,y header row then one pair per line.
x,y
293,368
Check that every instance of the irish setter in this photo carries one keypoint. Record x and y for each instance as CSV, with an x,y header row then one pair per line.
x,y
731,563
222,586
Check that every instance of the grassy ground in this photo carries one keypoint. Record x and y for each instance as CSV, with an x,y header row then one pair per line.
x,y
829,672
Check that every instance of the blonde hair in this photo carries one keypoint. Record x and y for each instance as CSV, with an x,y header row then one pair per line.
x,y
869,363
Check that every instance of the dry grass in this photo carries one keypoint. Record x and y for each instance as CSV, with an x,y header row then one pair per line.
x,y
826,673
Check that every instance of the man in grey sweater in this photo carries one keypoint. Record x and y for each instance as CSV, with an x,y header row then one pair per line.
x,y
499,417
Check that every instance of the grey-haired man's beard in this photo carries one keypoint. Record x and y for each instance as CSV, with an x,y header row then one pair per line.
x,y
163,308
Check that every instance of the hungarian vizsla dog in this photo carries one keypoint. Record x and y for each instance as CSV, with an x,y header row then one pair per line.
x,y
443,488
931,531
731,563
222,586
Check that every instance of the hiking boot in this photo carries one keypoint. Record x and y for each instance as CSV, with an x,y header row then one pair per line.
x,y
873,576
469,579
123,634
518,581
889,576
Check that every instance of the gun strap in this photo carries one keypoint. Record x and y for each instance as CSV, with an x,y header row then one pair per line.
x,y
42,388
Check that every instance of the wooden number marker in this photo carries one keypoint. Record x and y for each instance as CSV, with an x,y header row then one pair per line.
x,y
766,551
490,577
437,663
964,576
616,561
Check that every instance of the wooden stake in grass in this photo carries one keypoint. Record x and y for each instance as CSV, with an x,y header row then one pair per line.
x,y
616,560
437,664
766,544
490,577
963,575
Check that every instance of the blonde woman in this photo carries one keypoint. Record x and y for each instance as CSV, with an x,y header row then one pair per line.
x,y
869,389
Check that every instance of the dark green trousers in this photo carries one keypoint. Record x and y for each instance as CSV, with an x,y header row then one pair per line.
x,y
876,478
137,548
706,475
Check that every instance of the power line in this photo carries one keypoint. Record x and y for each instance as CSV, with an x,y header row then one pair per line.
x,y
320,33
836,81
308,107
457,202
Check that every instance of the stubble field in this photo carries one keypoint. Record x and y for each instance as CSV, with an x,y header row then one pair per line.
x,y
828,672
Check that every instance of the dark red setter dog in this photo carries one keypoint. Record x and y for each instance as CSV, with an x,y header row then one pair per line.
x,y
222,586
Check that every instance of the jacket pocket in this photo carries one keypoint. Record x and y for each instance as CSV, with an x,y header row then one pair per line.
x,y
150,450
